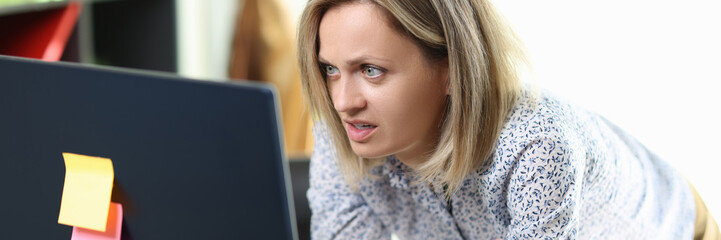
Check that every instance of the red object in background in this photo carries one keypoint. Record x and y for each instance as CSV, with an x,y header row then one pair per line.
x,y
39,34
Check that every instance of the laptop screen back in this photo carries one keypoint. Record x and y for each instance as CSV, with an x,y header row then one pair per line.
x,y
192,159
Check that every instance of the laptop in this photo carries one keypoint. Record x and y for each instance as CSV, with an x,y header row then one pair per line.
x,y
192,159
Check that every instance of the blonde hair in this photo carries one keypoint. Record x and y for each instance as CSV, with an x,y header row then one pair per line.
x,y
484,59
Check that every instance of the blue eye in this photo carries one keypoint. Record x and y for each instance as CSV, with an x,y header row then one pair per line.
x,y
330,70
372,72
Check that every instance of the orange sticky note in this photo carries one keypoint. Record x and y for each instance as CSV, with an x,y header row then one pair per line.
x,y
86,194
112,229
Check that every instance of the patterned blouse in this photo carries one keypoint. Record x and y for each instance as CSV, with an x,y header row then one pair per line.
x,y
558,172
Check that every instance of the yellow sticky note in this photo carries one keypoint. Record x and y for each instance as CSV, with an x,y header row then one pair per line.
x,y
86,194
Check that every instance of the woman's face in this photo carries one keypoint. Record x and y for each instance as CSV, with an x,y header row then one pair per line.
x,y
390,97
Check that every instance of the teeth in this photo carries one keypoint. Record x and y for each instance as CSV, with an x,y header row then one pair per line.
x,y
363,126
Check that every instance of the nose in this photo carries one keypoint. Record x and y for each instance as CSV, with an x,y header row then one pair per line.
x,y
346,95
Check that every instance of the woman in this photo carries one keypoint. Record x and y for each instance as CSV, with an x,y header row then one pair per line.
x,y
424,131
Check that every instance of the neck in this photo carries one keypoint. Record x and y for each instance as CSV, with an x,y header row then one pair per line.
x,y
413,160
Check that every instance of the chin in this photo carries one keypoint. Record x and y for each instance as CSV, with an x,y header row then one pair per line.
x,y
365,151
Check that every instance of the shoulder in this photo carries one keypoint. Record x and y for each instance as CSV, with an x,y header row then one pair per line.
x,y
540,136
539,119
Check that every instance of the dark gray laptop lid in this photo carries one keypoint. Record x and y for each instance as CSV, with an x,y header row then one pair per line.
x,y
192,159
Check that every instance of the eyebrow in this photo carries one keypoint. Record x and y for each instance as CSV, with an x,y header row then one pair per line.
x,y
355,61
322,60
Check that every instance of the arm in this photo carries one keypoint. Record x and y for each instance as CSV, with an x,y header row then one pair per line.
x,y
337,211
544,191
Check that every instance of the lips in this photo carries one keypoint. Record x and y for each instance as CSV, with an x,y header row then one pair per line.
x,y
359,130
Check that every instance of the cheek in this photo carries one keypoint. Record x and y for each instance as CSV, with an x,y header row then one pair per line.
x,y
408,110
330,87
334,92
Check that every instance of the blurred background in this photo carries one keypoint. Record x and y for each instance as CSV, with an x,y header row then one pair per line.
x,y
652,67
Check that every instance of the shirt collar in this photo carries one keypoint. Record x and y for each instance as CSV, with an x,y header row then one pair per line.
x,y
397,172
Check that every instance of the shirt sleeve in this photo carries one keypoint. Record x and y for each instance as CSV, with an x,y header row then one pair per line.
x,y
544,191
337,211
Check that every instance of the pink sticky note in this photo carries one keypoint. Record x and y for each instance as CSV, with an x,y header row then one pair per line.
x,y
112,230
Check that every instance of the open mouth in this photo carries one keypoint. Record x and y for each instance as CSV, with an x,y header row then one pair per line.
x,y
359,131
363,126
